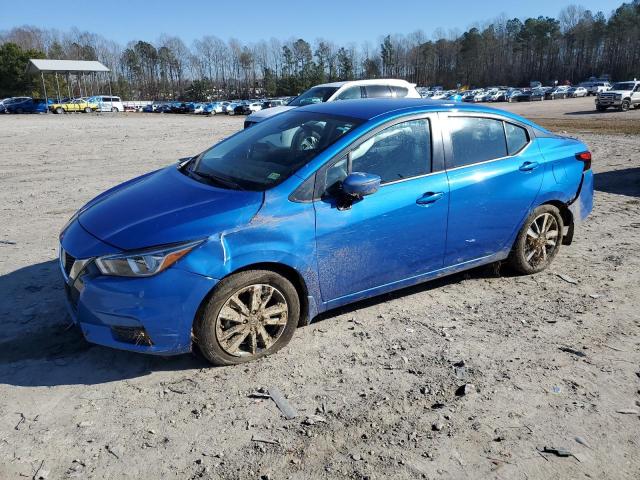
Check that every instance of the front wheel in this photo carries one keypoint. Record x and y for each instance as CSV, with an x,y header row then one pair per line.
x,y
249,315
601,108
114,109
538,242
87,110
625,106
59,110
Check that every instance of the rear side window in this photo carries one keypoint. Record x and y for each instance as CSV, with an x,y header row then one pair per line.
x,y
399,92
397,152
377,91
476,140
516,138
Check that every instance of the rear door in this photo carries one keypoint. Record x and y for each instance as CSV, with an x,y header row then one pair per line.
x,y
399,231
495,172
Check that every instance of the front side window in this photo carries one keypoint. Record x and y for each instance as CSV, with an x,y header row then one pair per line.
x,y
313,95
476,140
397,152
351,93
269,152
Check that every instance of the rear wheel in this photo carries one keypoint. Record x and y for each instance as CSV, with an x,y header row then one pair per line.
x,y
538,242
249,315
59,110
114,109
87,110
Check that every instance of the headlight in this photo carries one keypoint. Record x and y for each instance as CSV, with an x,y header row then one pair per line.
x,y
144,263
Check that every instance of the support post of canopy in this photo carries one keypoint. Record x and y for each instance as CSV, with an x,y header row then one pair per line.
x,y
44,89
57,87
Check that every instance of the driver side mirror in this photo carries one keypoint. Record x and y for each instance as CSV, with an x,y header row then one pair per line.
x,y
356,186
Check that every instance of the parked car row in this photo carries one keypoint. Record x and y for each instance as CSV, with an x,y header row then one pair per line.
x,y
99,103
507,94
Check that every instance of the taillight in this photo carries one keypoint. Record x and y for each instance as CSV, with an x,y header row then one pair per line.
x,y
584,157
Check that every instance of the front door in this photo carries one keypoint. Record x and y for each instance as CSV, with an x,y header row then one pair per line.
x,y
394,234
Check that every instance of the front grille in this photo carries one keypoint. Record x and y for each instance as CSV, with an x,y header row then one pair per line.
x,y
67,262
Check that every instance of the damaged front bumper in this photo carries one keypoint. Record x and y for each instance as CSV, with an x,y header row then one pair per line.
x,y
148,315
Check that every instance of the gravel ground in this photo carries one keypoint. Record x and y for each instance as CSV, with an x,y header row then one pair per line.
x,y
374,385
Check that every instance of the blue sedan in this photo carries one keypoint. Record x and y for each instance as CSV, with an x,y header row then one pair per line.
x,y
311,210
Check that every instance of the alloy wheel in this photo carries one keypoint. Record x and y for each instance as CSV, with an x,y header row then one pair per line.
x,y
542,240
251,320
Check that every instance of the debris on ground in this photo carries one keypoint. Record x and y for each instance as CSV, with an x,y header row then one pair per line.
x,y
558,452
567,278
466,389
283,404
582,441
573,351
629,411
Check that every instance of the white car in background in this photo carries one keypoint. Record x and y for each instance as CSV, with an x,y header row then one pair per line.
x,y
576,92
331,92
107,103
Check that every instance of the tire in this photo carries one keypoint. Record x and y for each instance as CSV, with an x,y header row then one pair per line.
x,y
114,109
601,109
87,110
210,327
60,110
526,256
625,106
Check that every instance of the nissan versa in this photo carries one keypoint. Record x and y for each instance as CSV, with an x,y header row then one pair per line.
x,y
315,208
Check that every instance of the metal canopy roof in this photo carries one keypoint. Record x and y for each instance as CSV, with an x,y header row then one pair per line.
x,y
36,65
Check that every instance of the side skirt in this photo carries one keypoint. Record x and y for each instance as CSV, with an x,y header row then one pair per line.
x,y
408,282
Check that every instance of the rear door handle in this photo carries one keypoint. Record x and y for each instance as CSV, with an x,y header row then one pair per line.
x,y
429,197
528,166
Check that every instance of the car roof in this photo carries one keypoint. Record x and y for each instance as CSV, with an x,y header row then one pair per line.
x,y
377,81
368,109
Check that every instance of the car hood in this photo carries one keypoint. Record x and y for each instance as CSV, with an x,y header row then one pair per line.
x,y
268,112
165,207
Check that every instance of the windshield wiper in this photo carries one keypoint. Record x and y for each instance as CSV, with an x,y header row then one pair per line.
x,y
225,182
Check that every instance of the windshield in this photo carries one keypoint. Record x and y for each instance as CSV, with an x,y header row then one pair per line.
x,y
623,86
268,153
313,95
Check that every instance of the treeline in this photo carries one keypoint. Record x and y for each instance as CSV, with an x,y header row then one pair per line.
x,y
576,45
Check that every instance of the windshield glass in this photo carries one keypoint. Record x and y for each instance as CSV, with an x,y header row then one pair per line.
x,y
623,86
313,95
268,153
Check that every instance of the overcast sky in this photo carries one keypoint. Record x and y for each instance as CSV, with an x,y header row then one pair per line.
x,y
251,20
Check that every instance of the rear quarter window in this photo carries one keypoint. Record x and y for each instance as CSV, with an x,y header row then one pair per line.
x,y
399,92
517,138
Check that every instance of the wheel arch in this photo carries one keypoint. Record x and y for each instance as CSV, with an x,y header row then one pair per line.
x,y
307,311
567,219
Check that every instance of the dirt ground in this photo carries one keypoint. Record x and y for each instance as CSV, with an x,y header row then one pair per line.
x,y
554,358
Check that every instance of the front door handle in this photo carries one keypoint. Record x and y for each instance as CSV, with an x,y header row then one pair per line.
x,y
429,198
528,166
